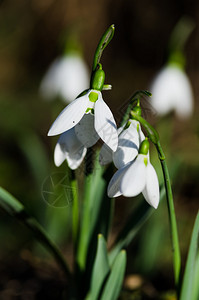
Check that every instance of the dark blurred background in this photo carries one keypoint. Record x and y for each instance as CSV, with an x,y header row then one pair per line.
x,y
32,34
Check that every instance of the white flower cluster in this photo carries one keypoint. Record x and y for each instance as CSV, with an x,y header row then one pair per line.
x,y
87,119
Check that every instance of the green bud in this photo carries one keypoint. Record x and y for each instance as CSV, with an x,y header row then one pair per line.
x,y
97,81
144,147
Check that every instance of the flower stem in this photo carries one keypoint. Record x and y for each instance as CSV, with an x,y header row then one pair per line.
x,y
154,137
75,220
172,217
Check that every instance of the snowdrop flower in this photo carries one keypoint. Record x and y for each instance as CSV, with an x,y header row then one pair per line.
x,y
66,77
101,126
137,176
171,90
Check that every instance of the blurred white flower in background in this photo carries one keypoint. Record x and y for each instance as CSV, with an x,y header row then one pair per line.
x,y
66,77
171,91
171,88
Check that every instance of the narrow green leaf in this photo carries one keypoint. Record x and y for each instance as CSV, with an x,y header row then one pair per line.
x,y
114,282
16,209
191,271
100,268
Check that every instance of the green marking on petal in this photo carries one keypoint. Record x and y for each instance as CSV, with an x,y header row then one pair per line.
x,y
89,109
145,161
138,126
93,97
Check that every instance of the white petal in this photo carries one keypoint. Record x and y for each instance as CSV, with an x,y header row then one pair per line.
x,y
151,192
70,148
134,180
86,132
128,145
106,154
105,124
75,159
115,182
70,116
59,155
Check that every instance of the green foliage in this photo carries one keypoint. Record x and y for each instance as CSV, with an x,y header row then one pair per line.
x,y
190,287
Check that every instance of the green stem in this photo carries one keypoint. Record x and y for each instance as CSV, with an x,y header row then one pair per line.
x,y
172,217
75,219
132,102
154,137
85,229
85,226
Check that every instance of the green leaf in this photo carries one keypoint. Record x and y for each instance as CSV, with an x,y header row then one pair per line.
x,y
135,221
191,268
96,216
114,282
100,268
16,209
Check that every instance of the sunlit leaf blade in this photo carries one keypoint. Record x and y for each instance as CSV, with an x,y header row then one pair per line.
x,y
100,268
16,209
187,290
113,284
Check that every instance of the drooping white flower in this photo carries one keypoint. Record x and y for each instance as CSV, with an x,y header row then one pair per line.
x,y
69,148
66,77
171,91
138,176
103,121
129,140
